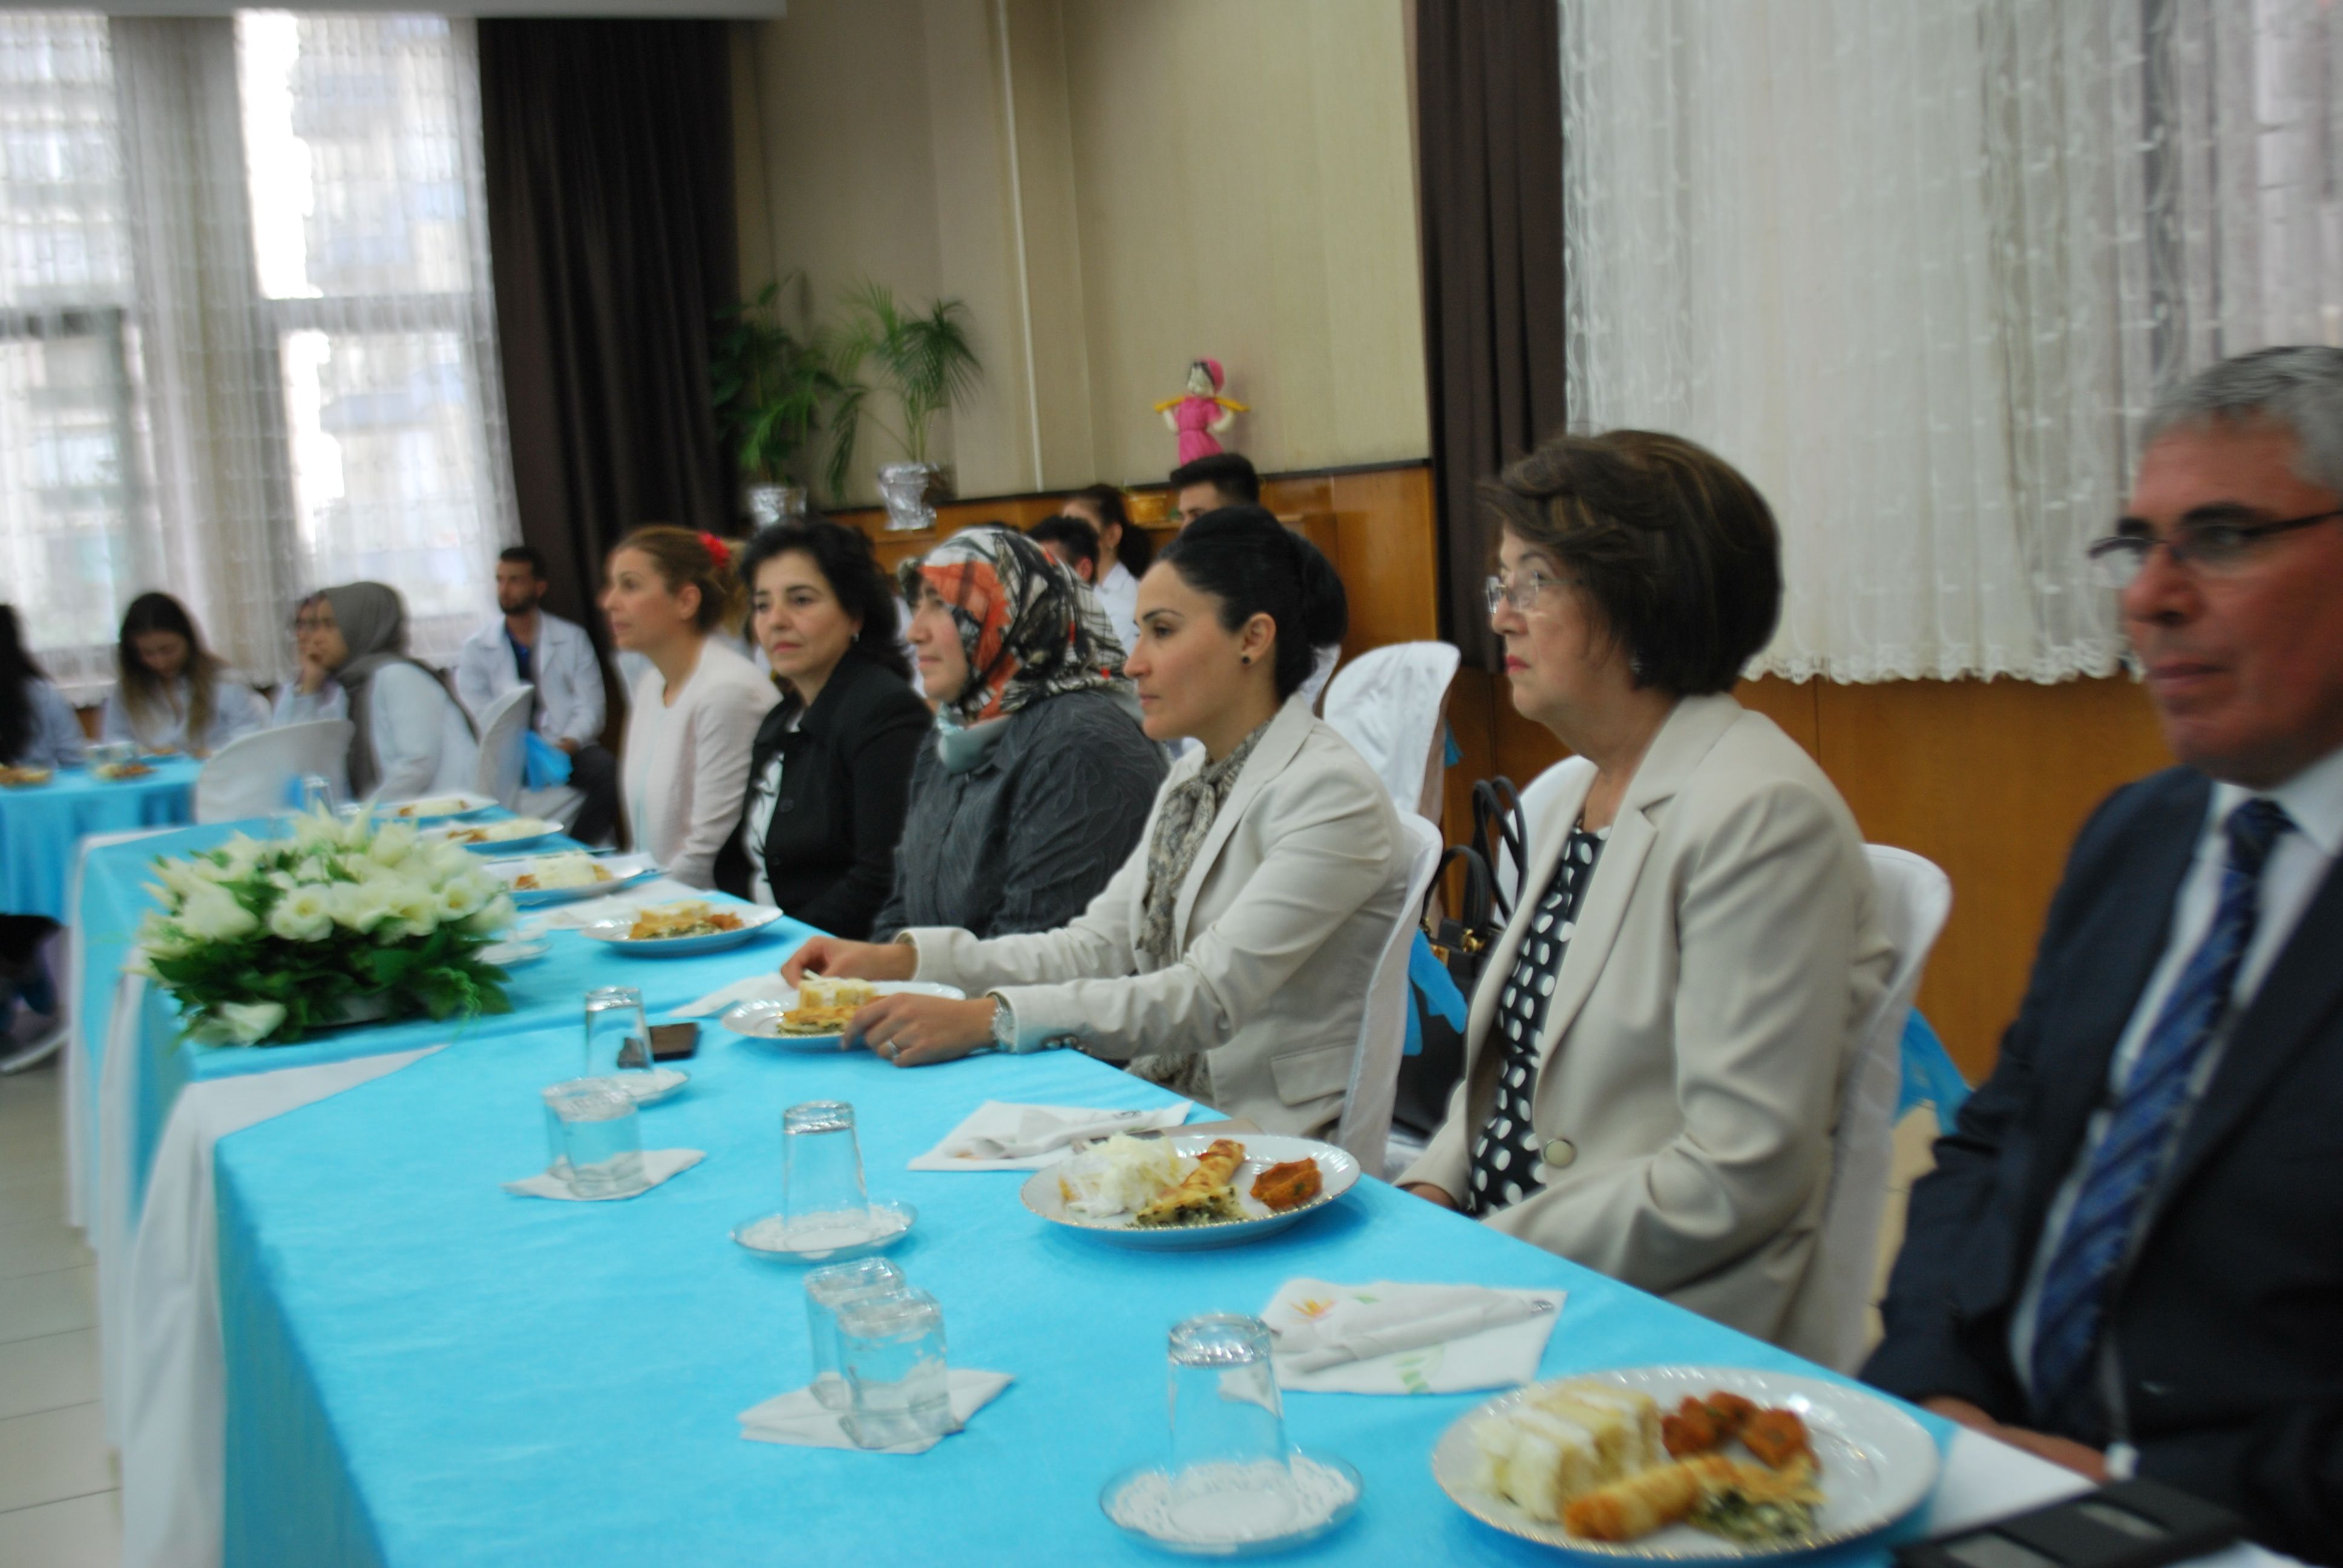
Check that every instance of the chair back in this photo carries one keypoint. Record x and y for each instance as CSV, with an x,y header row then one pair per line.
x,y
504,746
1915,896
1386,703
253,775
1365,1126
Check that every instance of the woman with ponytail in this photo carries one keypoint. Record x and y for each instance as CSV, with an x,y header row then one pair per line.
x,y
696,710
1231,956
174,695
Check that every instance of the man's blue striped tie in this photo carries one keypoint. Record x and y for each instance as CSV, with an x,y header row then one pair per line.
x,y
2124,1168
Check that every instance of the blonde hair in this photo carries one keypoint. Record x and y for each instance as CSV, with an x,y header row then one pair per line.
x,y
702,560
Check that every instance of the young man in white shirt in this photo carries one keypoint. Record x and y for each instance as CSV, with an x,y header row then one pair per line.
x,y
529,643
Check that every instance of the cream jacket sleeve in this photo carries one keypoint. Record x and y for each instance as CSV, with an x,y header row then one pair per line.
x,y
1328,851
723,733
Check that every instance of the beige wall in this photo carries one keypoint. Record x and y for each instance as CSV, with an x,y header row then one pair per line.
x,y
1113,188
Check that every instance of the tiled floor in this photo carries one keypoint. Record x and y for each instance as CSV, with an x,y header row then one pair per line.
x,y
59,1502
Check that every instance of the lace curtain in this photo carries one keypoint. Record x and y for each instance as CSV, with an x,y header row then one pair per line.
x,y
1920,268
246,345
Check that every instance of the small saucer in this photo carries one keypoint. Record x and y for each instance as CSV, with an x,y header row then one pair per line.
x,y
651,1087
513,954
767,1234
1332,1472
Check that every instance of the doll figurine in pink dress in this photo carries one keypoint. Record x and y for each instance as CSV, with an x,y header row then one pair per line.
x,y
1203,414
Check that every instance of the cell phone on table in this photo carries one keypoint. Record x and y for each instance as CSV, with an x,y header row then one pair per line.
x,y
2136,1523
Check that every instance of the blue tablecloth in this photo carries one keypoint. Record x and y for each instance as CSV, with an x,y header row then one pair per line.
x,y
113,900
425,1370
40,827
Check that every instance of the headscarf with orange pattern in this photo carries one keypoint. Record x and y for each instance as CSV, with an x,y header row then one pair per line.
x,y
1029,628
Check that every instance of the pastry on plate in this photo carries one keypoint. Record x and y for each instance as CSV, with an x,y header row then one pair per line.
x,y
1563,1441
826,1006
1202,1195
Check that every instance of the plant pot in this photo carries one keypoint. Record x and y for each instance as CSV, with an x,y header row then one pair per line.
x,y
768,504
911,491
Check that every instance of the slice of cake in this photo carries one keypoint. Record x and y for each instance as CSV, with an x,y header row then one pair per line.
x,y
822,991
1563,1441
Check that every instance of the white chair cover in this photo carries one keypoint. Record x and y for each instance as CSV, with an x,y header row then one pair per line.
x,y
1386,703
504,746
1914,897
253,775
1365,1127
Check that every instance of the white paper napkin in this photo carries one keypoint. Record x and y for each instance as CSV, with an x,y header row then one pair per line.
x,y
765,987
797,1417
659,1164
1390,1338
999,1135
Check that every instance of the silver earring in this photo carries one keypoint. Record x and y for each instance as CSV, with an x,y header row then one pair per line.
x,y
1636,667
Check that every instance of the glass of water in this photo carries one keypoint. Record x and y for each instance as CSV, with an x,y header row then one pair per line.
x,y
899,1389
826,1289
618,1035
823,1201
596,1148
318,796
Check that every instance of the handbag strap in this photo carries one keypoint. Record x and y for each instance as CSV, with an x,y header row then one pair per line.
x,y
1499,827
1471,927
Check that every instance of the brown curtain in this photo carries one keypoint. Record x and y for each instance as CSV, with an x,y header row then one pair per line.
x,y
1488,76
613,232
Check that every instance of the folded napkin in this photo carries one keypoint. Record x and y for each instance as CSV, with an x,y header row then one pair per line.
x,y
1000,1136
659,1164
1388,1338
765,987
797,1417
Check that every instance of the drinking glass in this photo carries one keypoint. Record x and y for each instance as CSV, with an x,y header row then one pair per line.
x,y
826,1289
1227,1427
111,753
597,1149
317,794
899,1390
618,1035
823,1201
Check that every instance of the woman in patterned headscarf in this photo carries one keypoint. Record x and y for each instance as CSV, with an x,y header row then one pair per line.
x,y
1232,955
1039,778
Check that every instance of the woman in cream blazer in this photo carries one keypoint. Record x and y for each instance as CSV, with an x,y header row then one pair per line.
x,y
1231,956
1681,988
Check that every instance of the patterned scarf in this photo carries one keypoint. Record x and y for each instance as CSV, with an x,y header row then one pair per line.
x,y
1030,629
1180,829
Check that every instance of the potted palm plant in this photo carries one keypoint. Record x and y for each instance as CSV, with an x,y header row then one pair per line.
x,y
770,390
927,361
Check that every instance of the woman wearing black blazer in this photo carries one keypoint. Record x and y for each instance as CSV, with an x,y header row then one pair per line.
x,y
831,768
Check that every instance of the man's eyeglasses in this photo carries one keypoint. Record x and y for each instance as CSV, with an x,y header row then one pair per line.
x,y
2211,547
1521,592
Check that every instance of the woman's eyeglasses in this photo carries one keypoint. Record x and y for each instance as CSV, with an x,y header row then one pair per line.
x,y
1521,592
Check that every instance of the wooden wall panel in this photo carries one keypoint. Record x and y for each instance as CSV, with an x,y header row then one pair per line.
x,y
1989,780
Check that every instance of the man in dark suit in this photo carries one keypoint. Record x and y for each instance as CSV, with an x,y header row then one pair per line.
x,y
2130,1254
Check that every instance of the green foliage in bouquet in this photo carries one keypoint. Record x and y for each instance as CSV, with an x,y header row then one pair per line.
x,y
262,941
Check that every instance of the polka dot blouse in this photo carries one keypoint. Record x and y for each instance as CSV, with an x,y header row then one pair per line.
x,y
1505,1157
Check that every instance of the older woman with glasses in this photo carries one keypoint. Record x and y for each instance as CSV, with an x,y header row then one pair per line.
x,y
1655,1054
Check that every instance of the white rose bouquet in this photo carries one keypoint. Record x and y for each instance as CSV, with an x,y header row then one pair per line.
x,y
263,940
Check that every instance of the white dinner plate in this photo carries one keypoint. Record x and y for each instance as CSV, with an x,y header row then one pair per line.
x,y
505,837
613,933
762,1019
624,871
512,954
1337,1174
1877,1464
452,806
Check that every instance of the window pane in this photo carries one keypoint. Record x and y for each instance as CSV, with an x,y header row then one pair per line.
x,y
63,237
354,148
62,464
388,464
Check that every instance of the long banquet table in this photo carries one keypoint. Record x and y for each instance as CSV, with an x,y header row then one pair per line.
x,y
426,1370
416,1368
